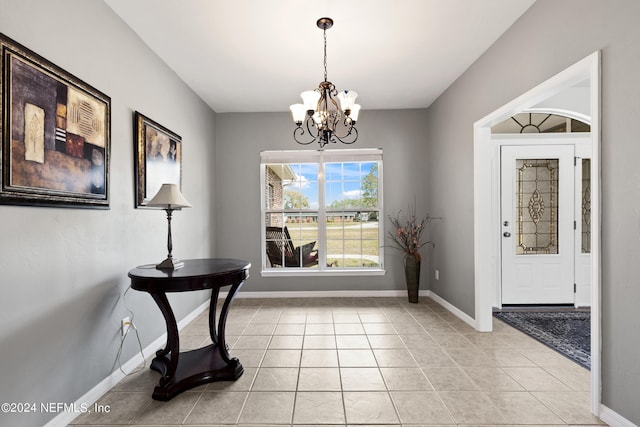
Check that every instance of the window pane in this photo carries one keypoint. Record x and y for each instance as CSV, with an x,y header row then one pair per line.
x,y
295,244
303,229
351,194
370,185
352,240
274,219
351,185
333,171
333,194
301,192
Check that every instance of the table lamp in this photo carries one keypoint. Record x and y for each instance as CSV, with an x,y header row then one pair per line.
x,y
169,198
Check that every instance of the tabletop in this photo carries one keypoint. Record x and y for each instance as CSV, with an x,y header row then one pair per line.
x,y
196,274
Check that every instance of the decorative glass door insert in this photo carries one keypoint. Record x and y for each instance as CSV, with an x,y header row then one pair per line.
x,y
536,206
585,213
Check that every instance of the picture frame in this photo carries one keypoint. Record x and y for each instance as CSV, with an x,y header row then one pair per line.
x,y
158,158
55,134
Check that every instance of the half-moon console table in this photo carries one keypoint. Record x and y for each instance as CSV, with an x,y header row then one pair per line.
x,y
182,371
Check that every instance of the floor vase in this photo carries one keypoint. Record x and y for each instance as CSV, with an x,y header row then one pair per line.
x,y
412,276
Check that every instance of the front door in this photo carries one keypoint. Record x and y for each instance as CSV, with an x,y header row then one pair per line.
x,y
537,224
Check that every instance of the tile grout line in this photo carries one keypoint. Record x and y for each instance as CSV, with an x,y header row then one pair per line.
x,y
393,401
184,420
344,404
295,393
253,380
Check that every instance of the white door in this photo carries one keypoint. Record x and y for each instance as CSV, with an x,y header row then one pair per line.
x,y
537,204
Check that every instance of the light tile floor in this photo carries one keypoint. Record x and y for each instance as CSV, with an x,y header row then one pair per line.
x,y
363,361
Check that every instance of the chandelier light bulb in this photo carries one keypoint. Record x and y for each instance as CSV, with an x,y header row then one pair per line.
x,y
319,118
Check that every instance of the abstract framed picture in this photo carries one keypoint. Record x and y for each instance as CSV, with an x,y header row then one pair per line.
x,y
158,158
55,134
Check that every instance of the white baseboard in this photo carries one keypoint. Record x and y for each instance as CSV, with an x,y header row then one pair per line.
x,y
453,309
614,419
92,396
324,294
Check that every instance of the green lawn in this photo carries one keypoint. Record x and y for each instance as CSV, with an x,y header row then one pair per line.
x,y
342,238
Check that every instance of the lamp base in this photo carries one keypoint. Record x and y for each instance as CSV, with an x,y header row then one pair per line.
x,y
170,264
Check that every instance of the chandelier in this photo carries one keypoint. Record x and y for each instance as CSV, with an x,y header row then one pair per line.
x,y
325,115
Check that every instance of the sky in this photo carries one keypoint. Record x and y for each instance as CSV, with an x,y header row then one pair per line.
x,y
343,180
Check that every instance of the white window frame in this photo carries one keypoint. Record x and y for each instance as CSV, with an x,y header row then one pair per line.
x,y
321,157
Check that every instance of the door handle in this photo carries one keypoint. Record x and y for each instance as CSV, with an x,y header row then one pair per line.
x,y
506,234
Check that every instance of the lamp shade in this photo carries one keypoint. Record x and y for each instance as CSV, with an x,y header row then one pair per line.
x,y
310,99
169,196
298,111
347,99
355,111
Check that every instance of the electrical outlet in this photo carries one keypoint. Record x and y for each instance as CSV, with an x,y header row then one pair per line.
x,y
126,324
437,274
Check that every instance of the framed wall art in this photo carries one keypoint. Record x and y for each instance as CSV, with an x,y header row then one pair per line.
x,y
55,134
158,158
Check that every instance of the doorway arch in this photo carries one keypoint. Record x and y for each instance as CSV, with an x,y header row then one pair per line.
x,y
487,198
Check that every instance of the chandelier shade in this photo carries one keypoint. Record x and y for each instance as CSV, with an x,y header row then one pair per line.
x,y
310,99
325,116
347,99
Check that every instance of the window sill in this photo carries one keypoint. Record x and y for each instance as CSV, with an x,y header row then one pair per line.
x,y
297,272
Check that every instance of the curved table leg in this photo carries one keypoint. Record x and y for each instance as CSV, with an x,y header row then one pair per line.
x,y
222,322
212,315
167,365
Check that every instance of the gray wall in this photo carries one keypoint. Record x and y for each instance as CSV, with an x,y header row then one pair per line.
x,y
551,36
63,271
240,137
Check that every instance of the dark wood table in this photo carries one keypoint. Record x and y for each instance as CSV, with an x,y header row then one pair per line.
x,y
182,371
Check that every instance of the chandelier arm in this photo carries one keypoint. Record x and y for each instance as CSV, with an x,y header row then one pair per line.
x,y
299,131
353,133
349,130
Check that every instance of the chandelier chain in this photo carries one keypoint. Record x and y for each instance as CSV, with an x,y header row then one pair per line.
x,y
325,54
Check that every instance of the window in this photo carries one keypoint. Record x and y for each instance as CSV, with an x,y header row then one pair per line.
x,y
540,123
321,212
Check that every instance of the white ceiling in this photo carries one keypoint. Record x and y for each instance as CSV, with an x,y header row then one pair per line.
x,y
258,55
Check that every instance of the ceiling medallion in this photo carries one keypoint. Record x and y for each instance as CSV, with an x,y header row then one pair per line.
x,y
326,116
